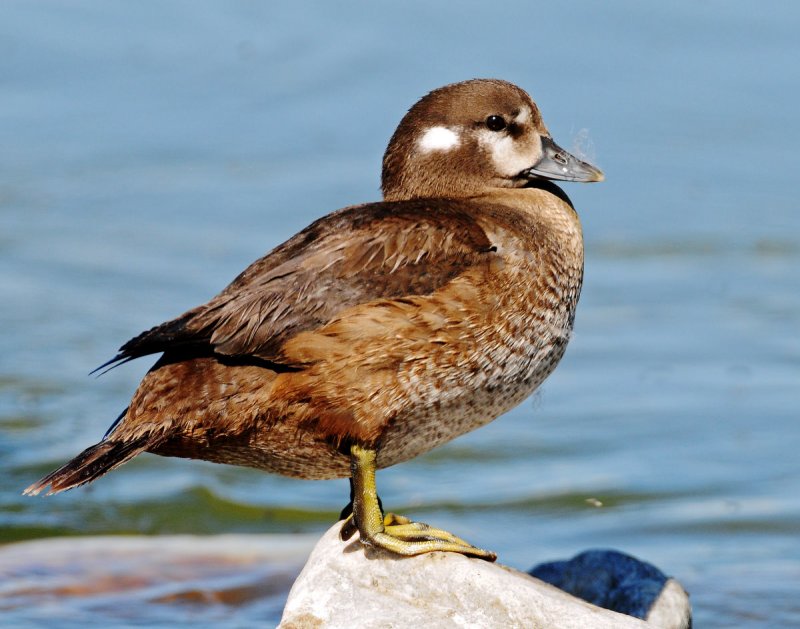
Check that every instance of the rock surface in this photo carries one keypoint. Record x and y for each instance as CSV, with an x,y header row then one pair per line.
x,y
345,584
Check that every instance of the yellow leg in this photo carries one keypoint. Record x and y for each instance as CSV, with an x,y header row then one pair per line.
x,y
394,533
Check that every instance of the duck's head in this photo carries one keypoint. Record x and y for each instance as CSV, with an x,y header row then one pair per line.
x,y
467,138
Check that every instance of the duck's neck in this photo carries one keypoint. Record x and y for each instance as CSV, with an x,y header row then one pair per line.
x,y
545,204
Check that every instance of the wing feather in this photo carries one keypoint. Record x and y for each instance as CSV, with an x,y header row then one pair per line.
x,y
356,255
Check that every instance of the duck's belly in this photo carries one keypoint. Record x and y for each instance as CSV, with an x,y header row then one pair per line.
x,y
444,410
436,411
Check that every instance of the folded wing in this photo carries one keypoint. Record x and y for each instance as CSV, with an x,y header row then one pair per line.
x,y
353,256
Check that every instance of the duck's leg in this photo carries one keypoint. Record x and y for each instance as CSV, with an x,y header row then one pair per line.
x,y
394,533
349,527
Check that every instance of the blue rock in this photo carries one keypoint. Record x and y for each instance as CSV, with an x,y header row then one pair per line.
x,y
608,579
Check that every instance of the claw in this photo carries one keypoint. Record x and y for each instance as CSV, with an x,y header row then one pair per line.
x,y
348,529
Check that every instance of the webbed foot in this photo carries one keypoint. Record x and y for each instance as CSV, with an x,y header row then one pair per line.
x,y
391,532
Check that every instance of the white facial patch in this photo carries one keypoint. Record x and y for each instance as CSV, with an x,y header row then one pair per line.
x,y
510,155
438,139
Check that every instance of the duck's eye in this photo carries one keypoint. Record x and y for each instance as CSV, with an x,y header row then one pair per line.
x,y
496,123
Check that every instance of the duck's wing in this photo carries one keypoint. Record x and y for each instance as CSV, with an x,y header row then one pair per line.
x,y
353,256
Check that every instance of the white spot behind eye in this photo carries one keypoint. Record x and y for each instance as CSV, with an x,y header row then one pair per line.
x,y
523,116
438,139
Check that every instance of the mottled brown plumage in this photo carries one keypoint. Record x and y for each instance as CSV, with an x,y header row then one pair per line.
x,y
395,326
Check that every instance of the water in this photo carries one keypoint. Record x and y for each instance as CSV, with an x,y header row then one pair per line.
x,y
149,152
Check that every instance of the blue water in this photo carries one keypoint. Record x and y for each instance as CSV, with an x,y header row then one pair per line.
x,y
150,151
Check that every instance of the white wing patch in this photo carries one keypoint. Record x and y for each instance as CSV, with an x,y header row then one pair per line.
x,y
439,139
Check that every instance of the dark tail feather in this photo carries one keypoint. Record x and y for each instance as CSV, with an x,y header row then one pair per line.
x,y
113,363
90,464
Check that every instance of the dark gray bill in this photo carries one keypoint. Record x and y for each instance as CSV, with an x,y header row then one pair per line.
x,y
556,163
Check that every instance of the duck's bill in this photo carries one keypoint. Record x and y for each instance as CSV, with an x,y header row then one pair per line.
x,y
556,163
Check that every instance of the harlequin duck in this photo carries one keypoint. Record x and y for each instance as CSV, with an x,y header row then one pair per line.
x,y
381,330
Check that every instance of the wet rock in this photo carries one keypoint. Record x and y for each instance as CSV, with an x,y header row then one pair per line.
x,y
145,581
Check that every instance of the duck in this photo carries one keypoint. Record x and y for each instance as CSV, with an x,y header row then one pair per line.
x,y
381,330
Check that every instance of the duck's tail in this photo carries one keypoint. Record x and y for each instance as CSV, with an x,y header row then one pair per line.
x,y
90,464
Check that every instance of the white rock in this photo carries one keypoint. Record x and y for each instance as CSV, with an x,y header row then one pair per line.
x,y
346,585
672,608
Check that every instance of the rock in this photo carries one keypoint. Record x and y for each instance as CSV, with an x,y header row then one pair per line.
x,y
619,582
347,585
139,573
